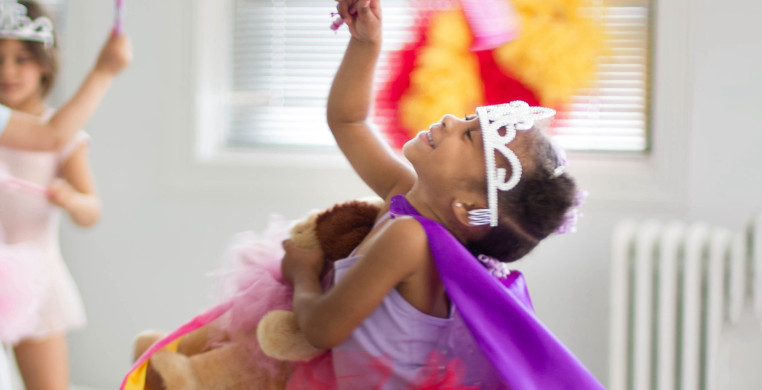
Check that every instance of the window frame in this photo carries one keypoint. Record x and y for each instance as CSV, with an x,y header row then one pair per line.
x,y
656,178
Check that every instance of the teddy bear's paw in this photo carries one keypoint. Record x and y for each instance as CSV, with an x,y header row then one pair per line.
x,y
143,341
279,337
175,371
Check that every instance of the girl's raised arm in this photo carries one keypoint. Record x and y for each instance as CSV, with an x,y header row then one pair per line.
x,y
349,103
27,132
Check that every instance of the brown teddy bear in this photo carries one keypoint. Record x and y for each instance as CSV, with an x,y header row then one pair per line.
x,y
204,361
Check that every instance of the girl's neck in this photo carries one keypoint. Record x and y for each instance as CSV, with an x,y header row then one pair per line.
x,y
432,206
435,208
420,202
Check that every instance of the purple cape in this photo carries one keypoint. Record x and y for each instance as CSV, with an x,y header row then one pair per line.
x,y
500,316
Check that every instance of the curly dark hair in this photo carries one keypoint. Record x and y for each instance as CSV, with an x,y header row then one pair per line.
x,y
45,57
533,209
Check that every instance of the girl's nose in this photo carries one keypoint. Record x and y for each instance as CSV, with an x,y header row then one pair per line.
x,y
449,121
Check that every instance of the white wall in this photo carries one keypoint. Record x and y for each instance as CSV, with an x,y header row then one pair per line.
x,y
167,220
727,131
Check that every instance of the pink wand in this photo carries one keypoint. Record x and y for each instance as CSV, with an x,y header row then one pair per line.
x,y
9,182
119,17
337,22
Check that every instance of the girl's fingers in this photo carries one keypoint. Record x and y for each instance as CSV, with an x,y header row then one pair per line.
x,y
351,7
352,10
340,9
364,8
374,6
343,8
357,6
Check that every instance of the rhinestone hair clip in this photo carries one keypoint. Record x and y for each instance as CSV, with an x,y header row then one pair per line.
x,y
513,116
495,267
15,24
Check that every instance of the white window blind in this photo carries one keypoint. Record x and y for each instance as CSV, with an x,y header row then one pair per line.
x,y
612,114
284,57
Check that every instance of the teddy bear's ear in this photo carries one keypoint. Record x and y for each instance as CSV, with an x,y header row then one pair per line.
x,y
302,234
342,227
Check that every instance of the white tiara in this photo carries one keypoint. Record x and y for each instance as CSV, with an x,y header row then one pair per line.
x,y
14,23
516,115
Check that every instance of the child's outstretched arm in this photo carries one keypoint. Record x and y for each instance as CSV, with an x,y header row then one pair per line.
x,y
27,132
349,103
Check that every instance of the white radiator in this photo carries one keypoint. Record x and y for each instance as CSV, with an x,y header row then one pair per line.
x,y
674,287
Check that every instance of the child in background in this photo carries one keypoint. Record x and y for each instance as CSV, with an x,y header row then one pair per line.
x,y
22,131
413,307
49,153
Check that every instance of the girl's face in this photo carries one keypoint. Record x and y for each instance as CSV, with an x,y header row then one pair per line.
x,y
449,155
20,75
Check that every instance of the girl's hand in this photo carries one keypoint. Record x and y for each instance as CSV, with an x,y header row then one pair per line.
x,y
62,193
299,261
363,18
115,55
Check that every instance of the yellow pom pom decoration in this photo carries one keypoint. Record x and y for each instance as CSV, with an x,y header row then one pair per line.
x,y
553,56
557,49
446,77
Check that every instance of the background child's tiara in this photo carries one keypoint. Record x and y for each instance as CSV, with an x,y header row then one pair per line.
x,y
516,115
14,23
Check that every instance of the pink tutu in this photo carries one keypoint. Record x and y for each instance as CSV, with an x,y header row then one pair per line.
x,y
252,279
23,283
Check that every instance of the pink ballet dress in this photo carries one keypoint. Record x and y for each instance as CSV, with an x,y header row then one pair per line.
x,y
38,296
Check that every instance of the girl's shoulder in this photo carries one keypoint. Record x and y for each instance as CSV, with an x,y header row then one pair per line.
x,y
404,227
403,235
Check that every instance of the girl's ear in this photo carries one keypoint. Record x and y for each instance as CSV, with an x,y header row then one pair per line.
x,y
464,231
460,209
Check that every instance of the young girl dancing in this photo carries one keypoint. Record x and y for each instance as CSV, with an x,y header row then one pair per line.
x,y
425,301
46,299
